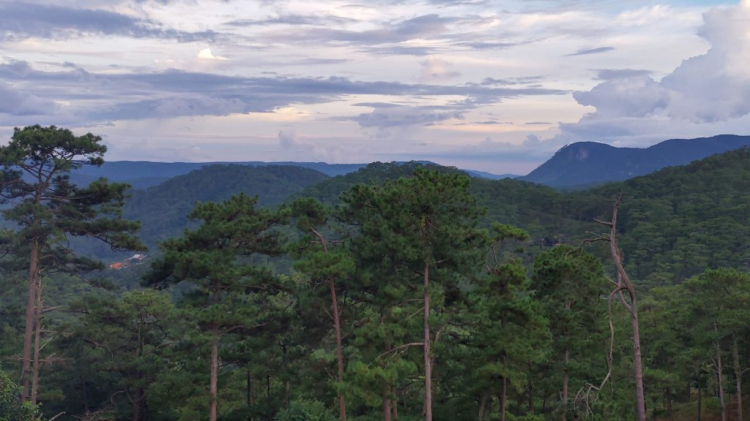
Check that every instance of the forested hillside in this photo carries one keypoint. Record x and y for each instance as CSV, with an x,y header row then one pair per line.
x,y
163,209
148,174
674,223
399,291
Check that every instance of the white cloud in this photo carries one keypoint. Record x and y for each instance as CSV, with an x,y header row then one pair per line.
x,y
300,150
19,103
706,94
206,54
437,70
287,138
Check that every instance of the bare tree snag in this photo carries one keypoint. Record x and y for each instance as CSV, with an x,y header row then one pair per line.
x,y
623,284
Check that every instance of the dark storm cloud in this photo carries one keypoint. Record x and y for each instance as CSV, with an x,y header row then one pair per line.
x,y
22,20
588,51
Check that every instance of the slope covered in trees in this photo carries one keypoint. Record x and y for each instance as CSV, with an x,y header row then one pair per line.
x,y
419,293
674,223
163,209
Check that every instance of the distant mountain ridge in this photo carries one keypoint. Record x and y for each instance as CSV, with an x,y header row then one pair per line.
x,y
163,209
145,174
586,164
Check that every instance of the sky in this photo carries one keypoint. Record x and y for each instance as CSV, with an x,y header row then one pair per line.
x,y
489,85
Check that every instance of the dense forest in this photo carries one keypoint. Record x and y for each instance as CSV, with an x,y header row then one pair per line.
x,y
396,292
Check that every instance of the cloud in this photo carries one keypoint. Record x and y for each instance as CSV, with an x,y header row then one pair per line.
x,y
399,50
306,151
706,94
637,96
523,80
450,3
19,103
287,138
403,116
531,151
437,70
421,27
294,19
173,93
608,74
588,51
22,20
206,54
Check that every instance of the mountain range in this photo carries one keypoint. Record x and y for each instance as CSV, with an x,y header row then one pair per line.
x,y
575,166
586,164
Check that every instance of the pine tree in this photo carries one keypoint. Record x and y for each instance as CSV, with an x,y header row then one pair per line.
x,y
425,224
323,266
227,292
570,284
48,209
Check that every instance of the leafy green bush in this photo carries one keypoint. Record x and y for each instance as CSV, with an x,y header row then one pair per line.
x,y
11,406
305,410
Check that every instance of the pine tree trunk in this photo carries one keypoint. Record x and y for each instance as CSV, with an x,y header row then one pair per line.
x,y
668,401
482,405
339,348
28,333
248,390
427,358
386,405
37,340
565,387
737,375
287,391
137,405
504,399
566,360
720,369
700,400
213,387
394,405
531,392
268,397
640,396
